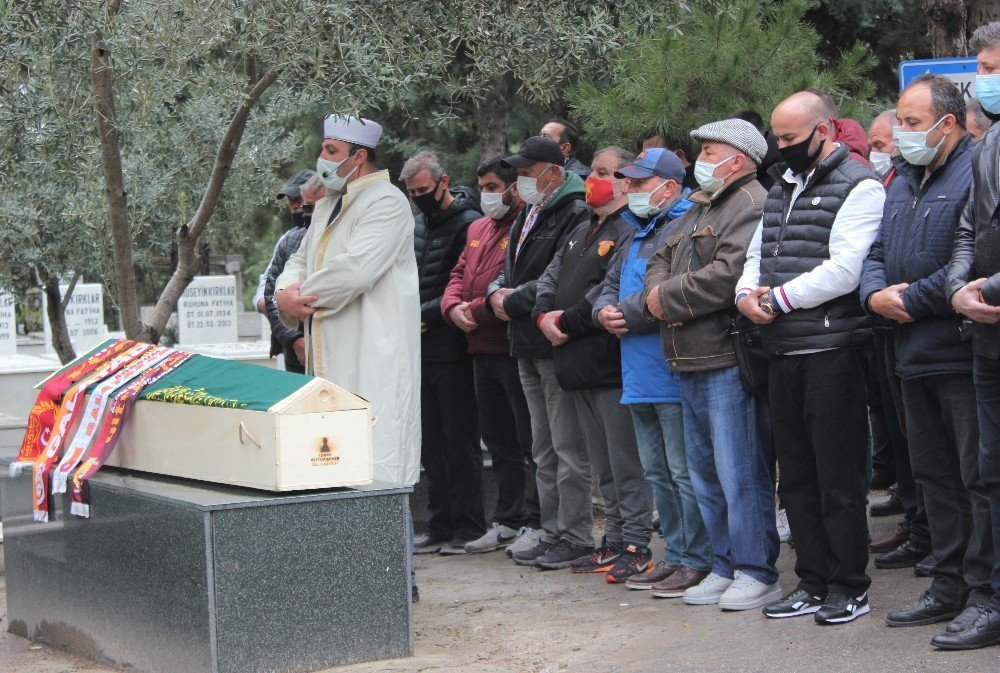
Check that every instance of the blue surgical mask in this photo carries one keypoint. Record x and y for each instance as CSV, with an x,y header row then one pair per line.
x,y
704,173
913,146
881,162
328,174
638,203
988,92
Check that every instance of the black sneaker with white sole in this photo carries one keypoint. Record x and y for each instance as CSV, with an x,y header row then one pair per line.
x,y
840,609
795,604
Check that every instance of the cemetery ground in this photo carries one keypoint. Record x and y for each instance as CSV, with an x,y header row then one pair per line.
x,y
482,613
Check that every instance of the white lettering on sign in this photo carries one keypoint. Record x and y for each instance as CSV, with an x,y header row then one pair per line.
x,y
206,312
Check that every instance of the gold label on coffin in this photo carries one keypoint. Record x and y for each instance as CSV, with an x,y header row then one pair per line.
x,y
327,453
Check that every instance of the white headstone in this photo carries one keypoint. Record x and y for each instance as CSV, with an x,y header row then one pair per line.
x,y
206,312
8,325
84,317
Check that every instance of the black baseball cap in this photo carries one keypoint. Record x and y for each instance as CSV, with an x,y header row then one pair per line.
x,y
293,188
536,149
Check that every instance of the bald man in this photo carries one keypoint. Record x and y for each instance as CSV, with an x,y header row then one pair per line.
x,y
882,145
800,284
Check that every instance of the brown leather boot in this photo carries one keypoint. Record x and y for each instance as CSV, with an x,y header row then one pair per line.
x,y
675,585
893,540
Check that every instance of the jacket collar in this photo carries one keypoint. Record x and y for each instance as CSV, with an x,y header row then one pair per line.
x,y
781,173
915,174
703,198
573,184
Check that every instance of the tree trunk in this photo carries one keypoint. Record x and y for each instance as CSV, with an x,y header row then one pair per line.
x,y
946,22
982,12
190,258
114,184
494,113
55,308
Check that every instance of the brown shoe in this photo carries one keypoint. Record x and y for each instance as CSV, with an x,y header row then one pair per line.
x,y
656,573
893,540
675,585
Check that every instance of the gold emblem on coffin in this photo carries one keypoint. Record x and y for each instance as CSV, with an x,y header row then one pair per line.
x,y
327,453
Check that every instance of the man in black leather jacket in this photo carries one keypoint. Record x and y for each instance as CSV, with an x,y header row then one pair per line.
x,y
974,290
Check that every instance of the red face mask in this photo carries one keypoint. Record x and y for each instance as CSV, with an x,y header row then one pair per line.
x,y
599,191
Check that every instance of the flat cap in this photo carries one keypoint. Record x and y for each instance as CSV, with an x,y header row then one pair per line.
x,y
741,134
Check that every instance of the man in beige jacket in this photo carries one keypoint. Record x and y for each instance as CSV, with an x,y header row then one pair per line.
x,y
353,284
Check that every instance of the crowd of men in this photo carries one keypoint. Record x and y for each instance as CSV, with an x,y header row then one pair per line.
x,y
694,337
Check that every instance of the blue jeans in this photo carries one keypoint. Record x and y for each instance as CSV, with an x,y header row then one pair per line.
x,y
986,378
730,473
659,431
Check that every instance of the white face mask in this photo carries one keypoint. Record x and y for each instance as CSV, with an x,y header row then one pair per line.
x,y
881,162
913,146
527,188
704,173
493,205
327,171
638,203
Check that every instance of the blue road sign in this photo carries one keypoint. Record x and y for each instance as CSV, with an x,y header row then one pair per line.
x,y
961,70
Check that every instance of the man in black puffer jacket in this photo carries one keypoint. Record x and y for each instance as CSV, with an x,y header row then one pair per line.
x,y
450,453
800,284
903,281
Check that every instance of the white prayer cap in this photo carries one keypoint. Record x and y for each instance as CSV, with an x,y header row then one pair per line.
x,y
352,130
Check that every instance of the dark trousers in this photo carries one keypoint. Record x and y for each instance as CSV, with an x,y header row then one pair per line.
x,y
506,427
887,435
450,452
943,433
908,490
819,421
986,376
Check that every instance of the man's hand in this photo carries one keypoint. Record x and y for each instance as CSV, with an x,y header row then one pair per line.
x,y
496,301
548,327
461,315
653,303
299,346
290,300
750,307
888,303
969,302
612,320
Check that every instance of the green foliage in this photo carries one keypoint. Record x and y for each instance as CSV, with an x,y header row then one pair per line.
x,y
720,57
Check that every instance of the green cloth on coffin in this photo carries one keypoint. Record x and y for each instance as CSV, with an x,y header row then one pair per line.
x,y
210,382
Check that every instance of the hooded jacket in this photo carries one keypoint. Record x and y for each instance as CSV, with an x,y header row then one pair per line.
x,y
477,267
561,214
850,132
591,358
646,378
438,242
914,246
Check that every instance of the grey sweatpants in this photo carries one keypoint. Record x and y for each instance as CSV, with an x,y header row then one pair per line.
x,y
557,445
610,437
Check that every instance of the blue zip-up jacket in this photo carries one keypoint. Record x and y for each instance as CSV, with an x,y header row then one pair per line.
x,y
914,246
646,379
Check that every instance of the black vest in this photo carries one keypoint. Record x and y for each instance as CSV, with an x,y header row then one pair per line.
x,y
796,245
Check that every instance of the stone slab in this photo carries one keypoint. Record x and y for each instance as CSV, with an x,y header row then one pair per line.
x,y
170,576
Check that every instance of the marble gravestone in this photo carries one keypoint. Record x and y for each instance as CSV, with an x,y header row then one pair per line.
x,y
84,317
206,312
8,325
172,576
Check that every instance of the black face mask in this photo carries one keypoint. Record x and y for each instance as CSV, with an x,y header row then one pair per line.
x,y
797,156
297,219
428,203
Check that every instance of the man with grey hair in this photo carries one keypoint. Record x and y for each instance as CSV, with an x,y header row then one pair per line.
x,y
976,121
450,452
972,287
689,286
800,284
903,282
588,367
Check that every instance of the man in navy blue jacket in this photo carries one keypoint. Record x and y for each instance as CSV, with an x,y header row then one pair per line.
x,y
903,280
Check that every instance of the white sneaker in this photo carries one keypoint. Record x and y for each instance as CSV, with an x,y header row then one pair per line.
x,y
708,591
527,538
746,593
496,537
781,521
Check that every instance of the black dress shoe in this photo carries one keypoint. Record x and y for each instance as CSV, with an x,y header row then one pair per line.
x,y
890,507
983,632
905,555
925,566
927,610
965,619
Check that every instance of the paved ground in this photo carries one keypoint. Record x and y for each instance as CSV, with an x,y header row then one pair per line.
x,y
482,613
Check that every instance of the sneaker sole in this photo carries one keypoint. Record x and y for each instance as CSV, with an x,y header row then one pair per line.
x,y
558,565
524,562
760,602
638,587
592,570
424,551
667,594
843,620
701,600
452,552
794,613
499,545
